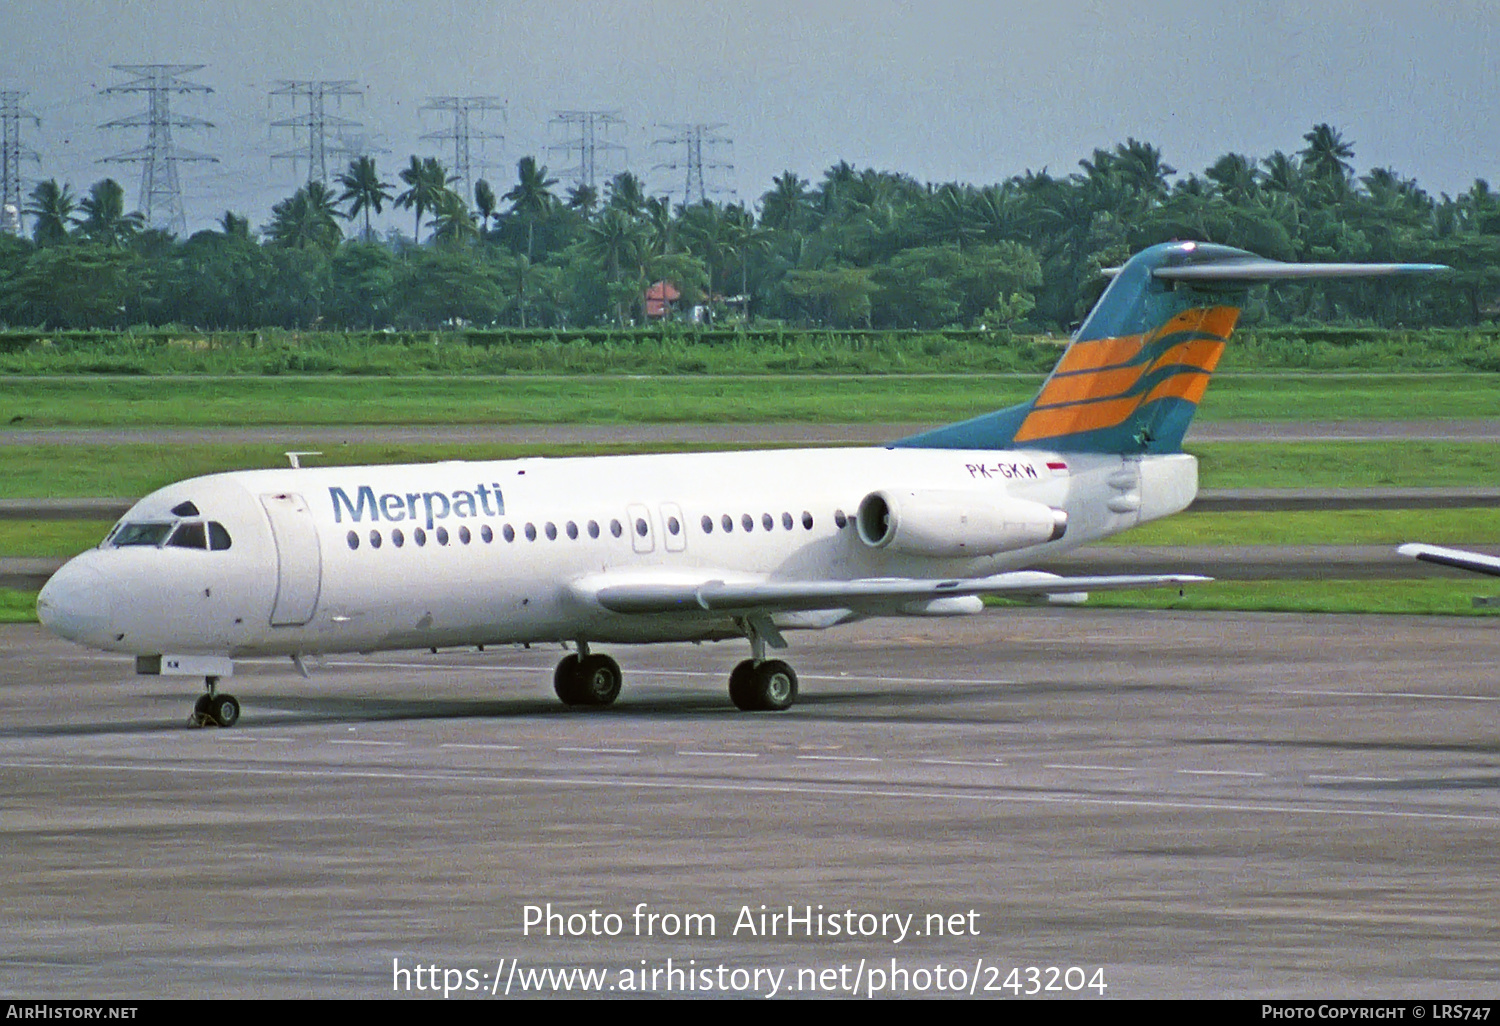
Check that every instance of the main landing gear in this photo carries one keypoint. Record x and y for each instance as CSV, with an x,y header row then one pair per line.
x,y
757,685
766,686
584,679
213,709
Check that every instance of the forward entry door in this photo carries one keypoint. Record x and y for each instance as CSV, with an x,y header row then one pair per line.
x,y
299,563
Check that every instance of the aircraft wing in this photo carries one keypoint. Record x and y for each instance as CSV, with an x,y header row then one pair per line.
x,y
1478,562
717,596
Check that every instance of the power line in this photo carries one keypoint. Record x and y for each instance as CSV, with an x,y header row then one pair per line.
x,y
317,122
586,133
161,189
466,111
11,115
696,140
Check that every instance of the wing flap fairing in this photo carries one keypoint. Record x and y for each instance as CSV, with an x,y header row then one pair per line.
x,y
723,597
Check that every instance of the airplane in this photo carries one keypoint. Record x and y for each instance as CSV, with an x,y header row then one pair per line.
x,y
1476,562
681,547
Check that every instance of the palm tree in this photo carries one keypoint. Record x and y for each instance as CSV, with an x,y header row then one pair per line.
x,y
626,194
363,190
485,202
233,226
105,220
452,223
583,198
1141,166
52,207
787,205
532,198
617,241
427,180
1236,177
1327,157
308,220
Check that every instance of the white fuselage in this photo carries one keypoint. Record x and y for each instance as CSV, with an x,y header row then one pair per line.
x,y
368,558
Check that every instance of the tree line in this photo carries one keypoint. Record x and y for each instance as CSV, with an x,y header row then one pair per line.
x,y
859,248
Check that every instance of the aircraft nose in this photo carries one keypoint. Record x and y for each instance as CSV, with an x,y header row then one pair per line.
x,y
77,603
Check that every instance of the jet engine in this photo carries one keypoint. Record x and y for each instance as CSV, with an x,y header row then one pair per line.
x,y
955,524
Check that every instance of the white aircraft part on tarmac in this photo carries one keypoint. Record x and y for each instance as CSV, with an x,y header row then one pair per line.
x,y
675,547
1475,562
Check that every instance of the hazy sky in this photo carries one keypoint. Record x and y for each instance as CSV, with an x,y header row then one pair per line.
x,y
942,90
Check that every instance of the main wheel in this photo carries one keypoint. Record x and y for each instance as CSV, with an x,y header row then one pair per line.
x,y
565,681
775,685
598,680
768,687
225,710
742,686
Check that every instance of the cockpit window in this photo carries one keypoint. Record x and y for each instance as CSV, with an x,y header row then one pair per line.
x,y
185,509
192,534
189,536
140,534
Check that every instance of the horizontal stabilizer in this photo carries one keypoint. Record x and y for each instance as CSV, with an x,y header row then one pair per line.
x,y
1275,270
1477,562
788,596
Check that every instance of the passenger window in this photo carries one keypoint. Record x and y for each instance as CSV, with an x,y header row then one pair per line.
x,y
708,525
807,520
442,536
419,536
397,538
551,531
572,531
218,537
593,528
531,532
615,528
640,526
354,539
463,535
673,526
840,519
786,521
747,522
374,539
727,524
189,536
766,521
509,533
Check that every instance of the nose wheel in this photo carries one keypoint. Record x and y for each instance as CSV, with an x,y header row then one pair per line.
x,y
213,709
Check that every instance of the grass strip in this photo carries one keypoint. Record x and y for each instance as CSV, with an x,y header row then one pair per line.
x,y
91,401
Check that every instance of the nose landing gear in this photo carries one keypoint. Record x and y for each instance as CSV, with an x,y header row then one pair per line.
x,y
213,709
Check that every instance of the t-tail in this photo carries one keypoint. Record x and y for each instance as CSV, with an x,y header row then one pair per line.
x,y
1132,377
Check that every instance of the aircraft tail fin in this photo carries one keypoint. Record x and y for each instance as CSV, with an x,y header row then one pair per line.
x,y
1131,378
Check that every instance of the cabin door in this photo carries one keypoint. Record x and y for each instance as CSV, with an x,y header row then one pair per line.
x,y
299,563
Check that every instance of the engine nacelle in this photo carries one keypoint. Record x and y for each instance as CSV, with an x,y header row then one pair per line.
x,y
955,524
